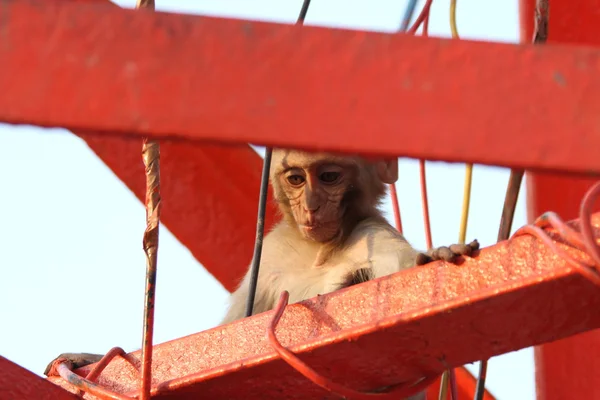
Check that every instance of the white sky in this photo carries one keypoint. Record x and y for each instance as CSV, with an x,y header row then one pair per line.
x,y
73,267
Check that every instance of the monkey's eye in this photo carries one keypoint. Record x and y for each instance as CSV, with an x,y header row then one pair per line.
x,y
329,177
295,180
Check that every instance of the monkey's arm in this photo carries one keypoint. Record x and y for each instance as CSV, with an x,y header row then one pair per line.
x,y
377,249
447,253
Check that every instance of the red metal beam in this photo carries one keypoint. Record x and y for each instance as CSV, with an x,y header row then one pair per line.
x,y
121,157
569,368
96,68
16,383
384,331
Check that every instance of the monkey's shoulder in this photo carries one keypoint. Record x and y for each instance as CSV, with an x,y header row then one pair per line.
x,y
375,244
375,230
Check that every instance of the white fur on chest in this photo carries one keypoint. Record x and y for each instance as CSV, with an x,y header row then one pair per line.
x,y
369,246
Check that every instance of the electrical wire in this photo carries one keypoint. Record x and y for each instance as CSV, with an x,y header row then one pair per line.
x,y
423,18
450,380
408,13
262,206
464,217
425,204
396,207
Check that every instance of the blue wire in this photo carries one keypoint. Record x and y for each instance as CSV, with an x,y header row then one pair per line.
x,y
408,14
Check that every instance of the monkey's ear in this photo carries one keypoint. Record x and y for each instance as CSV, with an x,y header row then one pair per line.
x,y
387,170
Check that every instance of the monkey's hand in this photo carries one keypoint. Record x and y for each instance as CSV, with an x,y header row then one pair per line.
x,y
73,361
447,253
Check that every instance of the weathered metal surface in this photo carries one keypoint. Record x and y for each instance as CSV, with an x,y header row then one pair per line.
x,y
91,67
569,368
16,383
394,329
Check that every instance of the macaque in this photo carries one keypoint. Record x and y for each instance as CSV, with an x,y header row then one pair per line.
x,y
332,234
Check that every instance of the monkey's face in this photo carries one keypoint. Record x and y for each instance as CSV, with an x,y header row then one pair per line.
x,y
314,187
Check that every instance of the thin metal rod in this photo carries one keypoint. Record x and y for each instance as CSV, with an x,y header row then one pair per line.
x,y
480,388
510,203
506,221
151,158
262,206
303,12
260,230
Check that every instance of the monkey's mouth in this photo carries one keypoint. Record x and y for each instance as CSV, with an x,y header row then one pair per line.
x,y
319,231
316,225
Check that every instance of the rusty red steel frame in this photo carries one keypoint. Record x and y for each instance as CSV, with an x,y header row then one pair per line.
x,y
348,85
17,383
515,294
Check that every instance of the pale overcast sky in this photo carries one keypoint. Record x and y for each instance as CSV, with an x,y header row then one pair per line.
x,y
69,223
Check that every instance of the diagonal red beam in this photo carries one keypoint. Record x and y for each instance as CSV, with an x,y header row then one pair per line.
x,y
210,194
203,186
95,67
16,383
515,294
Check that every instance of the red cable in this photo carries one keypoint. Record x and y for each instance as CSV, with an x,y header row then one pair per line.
x,y
398,392
425,203
423,18
396,207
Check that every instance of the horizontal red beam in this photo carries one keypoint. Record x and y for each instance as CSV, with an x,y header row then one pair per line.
x,y
97,68
513,295
17,383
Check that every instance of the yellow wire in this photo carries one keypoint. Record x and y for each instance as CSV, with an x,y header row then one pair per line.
x,y
453,28
462,235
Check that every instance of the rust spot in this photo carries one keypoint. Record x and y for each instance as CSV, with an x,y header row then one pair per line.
x,y
560,79
91,61
247,29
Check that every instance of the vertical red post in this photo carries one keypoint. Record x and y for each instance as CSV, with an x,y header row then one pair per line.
x,y
566,369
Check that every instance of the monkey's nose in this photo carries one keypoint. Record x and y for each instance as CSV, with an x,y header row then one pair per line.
x,y
311,217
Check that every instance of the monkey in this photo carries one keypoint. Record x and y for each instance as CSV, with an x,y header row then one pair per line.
x,y
332,234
